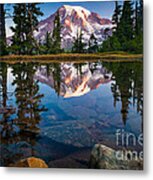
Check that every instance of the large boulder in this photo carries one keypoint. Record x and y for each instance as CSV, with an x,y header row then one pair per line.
x,y
30,162
103,157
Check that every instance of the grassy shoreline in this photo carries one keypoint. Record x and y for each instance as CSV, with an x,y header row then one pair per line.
x,y
117,57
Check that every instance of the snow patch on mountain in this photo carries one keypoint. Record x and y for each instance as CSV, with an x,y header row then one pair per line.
x,y
82,12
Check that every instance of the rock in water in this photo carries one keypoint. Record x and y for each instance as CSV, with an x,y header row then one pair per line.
x,y
30,162
103,157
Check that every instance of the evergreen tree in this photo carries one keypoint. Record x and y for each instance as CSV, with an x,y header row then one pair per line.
x,y
33,12
106,33
136,18
128,34
48,43
93,45
111,44
75,47
79,45
136,45
116,15
139,35
26,21
2,31
125,31
140,15
56,37
19,37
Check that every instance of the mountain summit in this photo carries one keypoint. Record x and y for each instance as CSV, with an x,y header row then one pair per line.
x,y
74,18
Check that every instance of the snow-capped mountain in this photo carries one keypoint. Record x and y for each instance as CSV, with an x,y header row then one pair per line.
x,y
72,83
74,19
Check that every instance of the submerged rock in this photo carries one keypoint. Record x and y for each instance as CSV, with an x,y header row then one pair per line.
x,y
30,162
103,157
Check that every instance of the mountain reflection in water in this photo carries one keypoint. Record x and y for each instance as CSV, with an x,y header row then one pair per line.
x,y
59,110
73,80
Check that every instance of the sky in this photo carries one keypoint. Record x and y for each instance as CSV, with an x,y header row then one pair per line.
x,y
103,8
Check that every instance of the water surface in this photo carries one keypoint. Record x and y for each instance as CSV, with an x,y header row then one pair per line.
x,y
58,111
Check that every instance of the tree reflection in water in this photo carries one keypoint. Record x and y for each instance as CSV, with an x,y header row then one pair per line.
x,y
127,84
24,125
